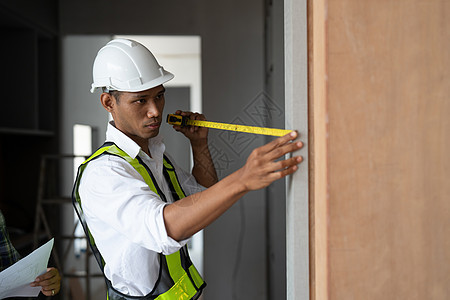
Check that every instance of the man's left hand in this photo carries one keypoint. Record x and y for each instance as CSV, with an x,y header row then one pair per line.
x,y
49,281
195,134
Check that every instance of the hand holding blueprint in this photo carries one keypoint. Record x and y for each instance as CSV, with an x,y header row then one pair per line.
x,y
15,280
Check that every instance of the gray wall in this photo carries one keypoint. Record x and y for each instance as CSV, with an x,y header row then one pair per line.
x,y
177,146
79,106
276,193
245,247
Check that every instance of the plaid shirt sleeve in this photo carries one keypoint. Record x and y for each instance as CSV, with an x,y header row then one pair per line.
x,y
8,253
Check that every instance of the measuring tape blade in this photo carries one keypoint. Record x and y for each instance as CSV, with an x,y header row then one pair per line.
x,y
185,121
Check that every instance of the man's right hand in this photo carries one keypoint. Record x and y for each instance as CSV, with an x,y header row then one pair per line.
x,y
263,167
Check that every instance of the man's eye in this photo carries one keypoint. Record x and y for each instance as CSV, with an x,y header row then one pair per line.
x,y
140,101
160,96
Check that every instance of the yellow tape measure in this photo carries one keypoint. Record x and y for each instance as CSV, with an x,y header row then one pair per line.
x,y
184,121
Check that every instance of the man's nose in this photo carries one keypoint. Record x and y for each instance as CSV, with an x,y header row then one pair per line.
x,y
152,110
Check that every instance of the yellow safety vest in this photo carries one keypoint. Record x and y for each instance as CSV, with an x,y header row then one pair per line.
x,y
178,278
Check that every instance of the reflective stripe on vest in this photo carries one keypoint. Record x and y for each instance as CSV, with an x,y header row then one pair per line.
x,y
187,280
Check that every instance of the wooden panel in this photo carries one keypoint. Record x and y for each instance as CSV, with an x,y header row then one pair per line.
x,y
387,106
318,149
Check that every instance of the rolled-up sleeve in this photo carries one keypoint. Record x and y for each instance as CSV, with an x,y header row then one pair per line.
x,y
118,204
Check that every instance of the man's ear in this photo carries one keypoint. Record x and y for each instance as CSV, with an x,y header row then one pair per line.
x,y
107,101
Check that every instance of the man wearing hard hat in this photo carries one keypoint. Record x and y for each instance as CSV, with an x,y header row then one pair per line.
x,y
136,205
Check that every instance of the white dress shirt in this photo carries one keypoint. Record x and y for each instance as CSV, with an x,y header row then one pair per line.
x,y
125,217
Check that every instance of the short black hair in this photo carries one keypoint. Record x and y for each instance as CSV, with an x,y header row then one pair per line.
x,y
113,93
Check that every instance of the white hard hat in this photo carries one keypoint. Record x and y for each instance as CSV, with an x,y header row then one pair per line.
x,y
126,65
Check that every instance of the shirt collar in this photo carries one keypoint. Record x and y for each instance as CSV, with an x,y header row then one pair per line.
x,y
122,141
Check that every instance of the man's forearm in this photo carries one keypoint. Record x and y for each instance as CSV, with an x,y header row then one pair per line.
x,y
189,215
203,170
